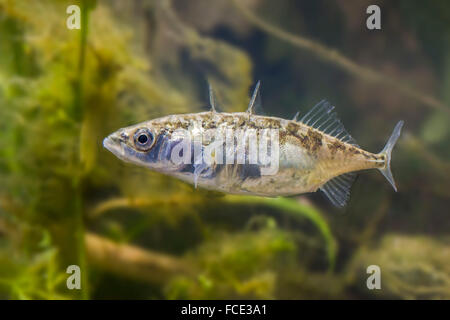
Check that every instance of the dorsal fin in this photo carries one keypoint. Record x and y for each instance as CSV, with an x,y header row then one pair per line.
x,y
296,116
255,102
338,189
322,117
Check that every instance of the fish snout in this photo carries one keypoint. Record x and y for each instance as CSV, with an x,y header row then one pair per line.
x,y
114,141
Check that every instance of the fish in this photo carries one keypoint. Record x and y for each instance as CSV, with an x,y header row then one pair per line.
x,y
219,151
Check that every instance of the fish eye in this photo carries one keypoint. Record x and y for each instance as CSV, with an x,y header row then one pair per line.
x,y
143,139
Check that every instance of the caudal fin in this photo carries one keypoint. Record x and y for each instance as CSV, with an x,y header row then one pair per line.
x,y
386,170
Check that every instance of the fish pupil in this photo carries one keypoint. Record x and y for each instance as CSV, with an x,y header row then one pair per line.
x,y
143,139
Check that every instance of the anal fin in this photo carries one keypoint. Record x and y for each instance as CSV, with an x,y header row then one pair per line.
x,y
337,189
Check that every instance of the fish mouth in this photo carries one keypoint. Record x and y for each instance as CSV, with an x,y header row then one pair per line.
x,y
113,144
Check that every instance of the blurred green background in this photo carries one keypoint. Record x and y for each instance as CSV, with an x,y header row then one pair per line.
x,y
65,200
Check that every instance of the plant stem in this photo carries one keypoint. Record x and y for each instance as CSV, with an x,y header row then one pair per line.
x,y
78,181
288,206
297,210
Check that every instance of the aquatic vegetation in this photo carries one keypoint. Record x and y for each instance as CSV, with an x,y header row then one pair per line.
x,y
237,266
413,267
51,128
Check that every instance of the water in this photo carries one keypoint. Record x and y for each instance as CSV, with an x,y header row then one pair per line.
x,y
65,200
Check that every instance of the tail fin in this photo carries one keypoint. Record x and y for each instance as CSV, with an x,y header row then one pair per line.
x,y
386,170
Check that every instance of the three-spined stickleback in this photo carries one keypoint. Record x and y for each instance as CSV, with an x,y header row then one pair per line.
x,y
246,153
